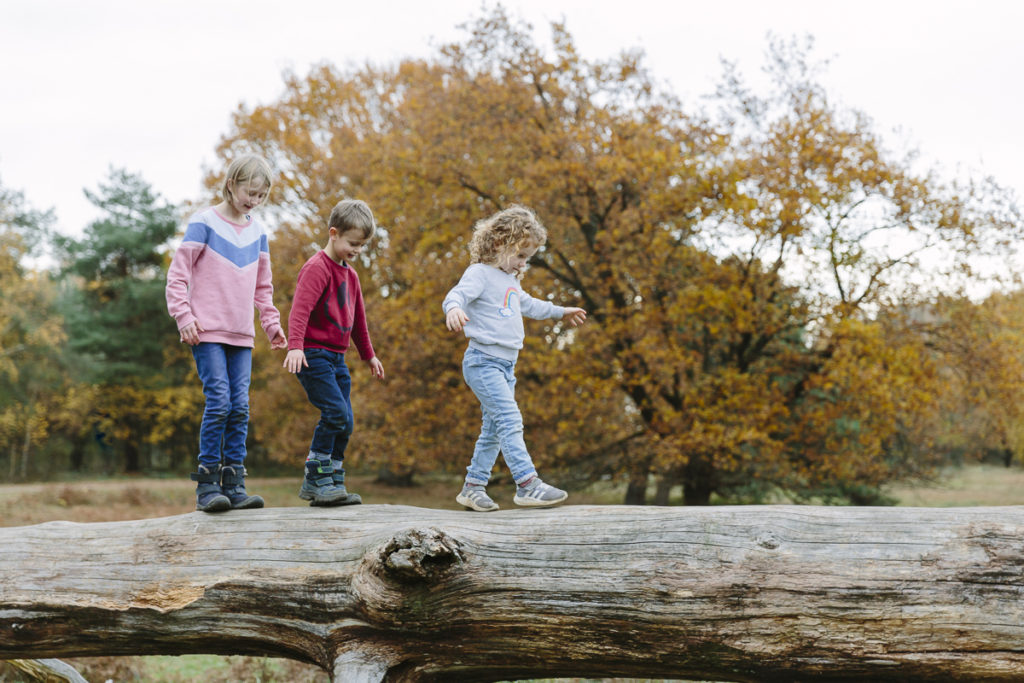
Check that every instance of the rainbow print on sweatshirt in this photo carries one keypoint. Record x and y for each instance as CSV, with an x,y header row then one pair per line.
x,y
506,310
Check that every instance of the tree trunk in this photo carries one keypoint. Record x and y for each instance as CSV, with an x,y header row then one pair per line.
x,y
664,490
26,446
636,490
132,462
392,478
77,456
698,481
396,593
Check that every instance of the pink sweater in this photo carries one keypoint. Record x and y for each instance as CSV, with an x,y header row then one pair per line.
x,y
220,271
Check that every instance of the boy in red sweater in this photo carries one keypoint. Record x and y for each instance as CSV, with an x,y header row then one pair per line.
x,y
327,314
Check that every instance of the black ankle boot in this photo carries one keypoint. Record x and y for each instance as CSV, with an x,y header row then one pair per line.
x,y
318,486
209,497
232,482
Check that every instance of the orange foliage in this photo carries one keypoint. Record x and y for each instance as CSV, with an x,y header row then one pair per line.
x,y
733,270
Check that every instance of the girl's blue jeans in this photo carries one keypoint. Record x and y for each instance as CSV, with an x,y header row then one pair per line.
x,y
328,385
493,381
224,371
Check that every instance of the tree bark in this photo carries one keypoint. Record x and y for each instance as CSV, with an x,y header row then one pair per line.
x,y
394,593
48,670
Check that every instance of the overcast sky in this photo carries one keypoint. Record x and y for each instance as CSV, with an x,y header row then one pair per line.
x,y
149,85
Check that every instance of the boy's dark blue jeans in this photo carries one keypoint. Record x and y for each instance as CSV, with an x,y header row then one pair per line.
x,y
224,371
328,385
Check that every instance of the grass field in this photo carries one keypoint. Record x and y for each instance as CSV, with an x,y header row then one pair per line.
x,y
973,486
126,498
120,499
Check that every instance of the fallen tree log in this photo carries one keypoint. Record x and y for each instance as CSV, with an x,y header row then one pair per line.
x,y
48,670
395,593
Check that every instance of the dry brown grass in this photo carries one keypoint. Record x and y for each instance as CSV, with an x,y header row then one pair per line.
x,y
973,486
137,498
134,498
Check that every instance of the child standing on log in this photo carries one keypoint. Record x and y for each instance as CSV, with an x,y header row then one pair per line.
x,y
488,304
218,273
327,315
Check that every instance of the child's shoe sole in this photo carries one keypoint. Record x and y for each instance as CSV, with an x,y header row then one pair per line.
x,y
218,504
350,499
250,503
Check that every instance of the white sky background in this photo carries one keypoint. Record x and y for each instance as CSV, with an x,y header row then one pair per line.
x,y
149,85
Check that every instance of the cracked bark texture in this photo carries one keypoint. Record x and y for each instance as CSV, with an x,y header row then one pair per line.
x,y
394,593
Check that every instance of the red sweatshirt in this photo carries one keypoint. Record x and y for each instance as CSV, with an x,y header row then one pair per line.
x,y
327,311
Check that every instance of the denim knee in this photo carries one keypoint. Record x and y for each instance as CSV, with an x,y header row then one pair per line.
x,y
216,412
337,422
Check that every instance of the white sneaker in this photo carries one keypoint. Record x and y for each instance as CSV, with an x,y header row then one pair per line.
x,y
538,494
476,498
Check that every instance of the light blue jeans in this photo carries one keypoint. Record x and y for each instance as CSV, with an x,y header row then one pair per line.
x,y
493,381
224,371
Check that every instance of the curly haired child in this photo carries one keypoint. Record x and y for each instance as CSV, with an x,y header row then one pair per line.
x,y
488,304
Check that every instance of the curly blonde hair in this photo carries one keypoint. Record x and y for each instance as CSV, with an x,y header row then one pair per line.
x,y
505,232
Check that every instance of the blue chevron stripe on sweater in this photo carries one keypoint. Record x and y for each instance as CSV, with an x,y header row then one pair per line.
x,y
240,255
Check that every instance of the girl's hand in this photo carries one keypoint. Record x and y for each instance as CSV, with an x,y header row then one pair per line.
x,y
574,316
456,319
295,361
190,333
279,341
376,369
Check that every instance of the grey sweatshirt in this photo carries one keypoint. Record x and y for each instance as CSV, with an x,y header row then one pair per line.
x,y
495,303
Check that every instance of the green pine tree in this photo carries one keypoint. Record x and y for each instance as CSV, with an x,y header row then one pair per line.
x,y
114,307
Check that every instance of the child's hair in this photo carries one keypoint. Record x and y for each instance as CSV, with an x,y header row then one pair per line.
x,y
505,232
244,169
353,214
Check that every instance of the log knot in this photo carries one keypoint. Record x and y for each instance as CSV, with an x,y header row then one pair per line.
x,y
417,555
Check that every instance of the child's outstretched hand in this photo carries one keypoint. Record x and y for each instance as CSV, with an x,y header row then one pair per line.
x,y
574,316
376,369
295,361
279,341
455,319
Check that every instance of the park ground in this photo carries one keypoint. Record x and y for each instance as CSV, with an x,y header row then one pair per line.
x,y
138,498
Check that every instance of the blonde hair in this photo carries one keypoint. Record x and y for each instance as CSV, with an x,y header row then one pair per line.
x,y
505,232
353,214
244,169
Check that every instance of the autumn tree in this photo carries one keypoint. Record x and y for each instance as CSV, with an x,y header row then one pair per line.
x,y
821,201
33,375
114,306
982,403
734,263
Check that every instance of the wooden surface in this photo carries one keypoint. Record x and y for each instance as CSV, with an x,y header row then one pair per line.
x,y
382,592
47,670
